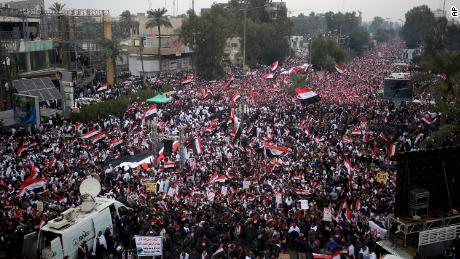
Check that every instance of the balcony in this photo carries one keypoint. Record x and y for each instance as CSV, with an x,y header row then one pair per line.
x,y
36,45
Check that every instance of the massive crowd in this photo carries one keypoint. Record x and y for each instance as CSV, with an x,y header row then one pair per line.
x,y
332,151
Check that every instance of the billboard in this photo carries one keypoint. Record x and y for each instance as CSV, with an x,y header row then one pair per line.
x,y
397,89
26,110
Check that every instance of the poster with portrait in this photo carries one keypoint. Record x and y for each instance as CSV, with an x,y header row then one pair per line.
x,y
25,109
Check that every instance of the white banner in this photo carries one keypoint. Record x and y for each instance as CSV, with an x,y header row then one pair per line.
x,y
376,230
327,214
304,205
279,198
149,246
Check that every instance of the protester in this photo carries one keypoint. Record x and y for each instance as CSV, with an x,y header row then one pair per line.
x,y
239,195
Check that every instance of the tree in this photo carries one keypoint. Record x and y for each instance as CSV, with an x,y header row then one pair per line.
x,y
157,18
347,28
207,36
128,24
376,24
443,62
308,25
325,53
384,35
359,40
266,35
419,23
111,49
57,7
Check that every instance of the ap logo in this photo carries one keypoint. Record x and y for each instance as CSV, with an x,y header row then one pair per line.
x,y
454,11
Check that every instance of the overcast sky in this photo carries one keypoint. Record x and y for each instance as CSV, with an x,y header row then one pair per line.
x,y
393,9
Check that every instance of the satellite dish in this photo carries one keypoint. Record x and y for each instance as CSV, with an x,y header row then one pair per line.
x,y
89,189
90,186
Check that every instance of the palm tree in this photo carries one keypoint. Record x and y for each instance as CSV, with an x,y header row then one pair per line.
x,y
126,21
57,7
111,49
157,18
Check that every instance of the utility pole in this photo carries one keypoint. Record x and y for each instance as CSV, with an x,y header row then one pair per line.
x,y
141,53
244,37
182,148
193,5
154,139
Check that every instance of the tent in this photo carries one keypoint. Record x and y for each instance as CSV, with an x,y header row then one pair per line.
x,y
159,99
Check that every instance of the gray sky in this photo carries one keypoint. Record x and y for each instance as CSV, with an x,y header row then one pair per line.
x,y
394,9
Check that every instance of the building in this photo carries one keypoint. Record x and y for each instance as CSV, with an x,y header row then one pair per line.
x,y
21,40
22,4
274,7
175,55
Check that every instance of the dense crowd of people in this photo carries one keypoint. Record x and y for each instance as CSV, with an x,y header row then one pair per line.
x,y
238,197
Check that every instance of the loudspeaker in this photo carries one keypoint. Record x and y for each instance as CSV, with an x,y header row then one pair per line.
x,y
435,170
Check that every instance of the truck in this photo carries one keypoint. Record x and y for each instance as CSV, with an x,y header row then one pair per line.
x,y
62,236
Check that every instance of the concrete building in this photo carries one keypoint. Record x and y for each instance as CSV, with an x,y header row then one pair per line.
x,y
175,55
22,4
273,8
20,37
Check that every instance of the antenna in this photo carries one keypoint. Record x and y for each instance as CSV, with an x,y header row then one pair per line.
x,y
89,189
444,8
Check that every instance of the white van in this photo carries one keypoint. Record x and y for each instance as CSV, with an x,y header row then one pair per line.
x,y
62,236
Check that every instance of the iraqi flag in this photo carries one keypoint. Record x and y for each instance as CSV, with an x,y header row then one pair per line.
x,y
340,69
62,200
306,95
235,97
356,132
98,137
79,127
21,150
275,65
33,171
348,166
301,192
347,210
236,121
393,149
335,255
52,162
374,151
427,119
382,135
175,147
169,164
90,134
269,76
419,137
187,80
229,82
213,178
221,179
151,111
116,142
197,146
31,184
103,87
274,150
